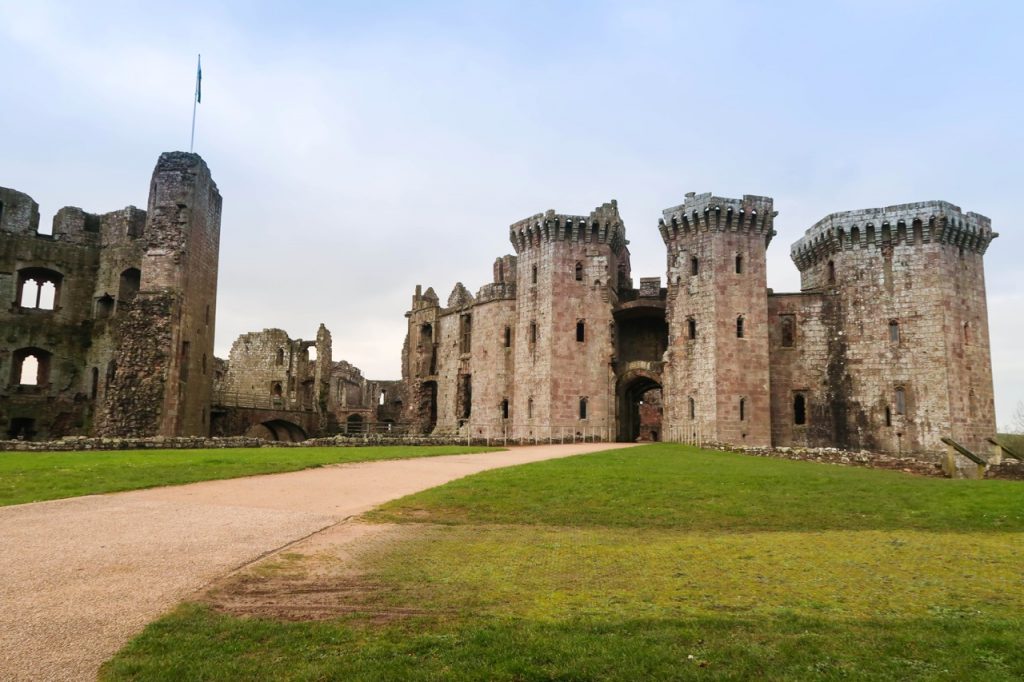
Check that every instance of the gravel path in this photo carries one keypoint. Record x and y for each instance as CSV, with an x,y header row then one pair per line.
x,y
79,577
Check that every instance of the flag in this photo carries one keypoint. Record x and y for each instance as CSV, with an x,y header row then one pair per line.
x,y
199,78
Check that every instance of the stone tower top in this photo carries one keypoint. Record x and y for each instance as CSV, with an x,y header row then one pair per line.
x,y
705,212
919,223
603,225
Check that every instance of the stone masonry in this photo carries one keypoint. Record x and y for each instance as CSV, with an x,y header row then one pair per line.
x,y
885,348
109,321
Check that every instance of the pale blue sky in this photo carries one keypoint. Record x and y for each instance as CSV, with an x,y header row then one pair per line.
x,y
365,147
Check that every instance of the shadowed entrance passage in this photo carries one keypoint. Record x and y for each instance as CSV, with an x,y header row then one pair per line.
x,y
640,409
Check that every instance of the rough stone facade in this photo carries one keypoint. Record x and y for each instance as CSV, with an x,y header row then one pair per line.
x,y
109,322
885,348
278,388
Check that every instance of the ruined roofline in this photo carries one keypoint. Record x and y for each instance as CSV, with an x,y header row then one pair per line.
x,y
922,222
603,225
706,212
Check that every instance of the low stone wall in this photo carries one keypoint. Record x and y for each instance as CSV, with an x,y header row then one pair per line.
x,y
922,464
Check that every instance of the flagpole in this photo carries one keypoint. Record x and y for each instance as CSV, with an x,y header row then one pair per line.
x,y
195,100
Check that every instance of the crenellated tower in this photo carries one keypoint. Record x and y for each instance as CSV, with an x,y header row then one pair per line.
x,y
570,271
908,353
716,382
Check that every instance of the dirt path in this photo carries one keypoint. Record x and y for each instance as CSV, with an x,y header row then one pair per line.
x,y
79,577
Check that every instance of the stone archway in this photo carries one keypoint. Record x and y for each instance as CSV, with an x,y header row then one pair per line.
x,y
639,407
279,430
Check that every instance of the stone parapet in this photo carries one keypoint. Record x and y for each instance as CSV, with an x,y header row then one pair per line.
x,y
925,222
706,213
602,226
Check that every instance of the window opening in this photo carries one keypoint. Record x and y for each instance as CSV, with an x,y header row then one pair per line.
x,y
504,408
788,328
901,401
533,332
280,357
691,328
693,408
739,264
533,275
831,272
799,409
466,336
579,272
129,284
888,416
580,331
694,266
583,408
508,337
894,331
739,327
743,409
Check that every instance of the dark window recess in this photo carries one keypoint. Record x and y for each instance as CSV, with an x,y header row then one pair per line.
x,y
466,333
104,307
529,408
508,337
465,396
94,389
787,324
280,357
739,264
533,332
894,331
580,331
694,266
743,409
129,285
831,272
888,416
504,408
691,328
739,327
799,409
186,349
533,275
901,401
583,408
693,408
579,272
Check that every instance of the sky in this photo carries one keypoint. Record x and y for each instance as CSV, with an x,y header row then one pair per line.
x,y
363,148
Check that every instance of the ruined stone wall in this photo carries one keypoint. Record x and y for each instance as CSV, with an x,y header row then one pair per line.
x,y
175,308
707,361
911,359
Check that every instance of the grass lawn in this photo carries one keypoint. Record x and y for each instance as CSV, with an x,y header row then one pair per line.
x,y
36,476
661,562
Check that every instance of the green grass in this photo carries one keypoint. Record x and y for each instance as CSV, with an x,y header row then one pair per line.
x,y
662,562
37,476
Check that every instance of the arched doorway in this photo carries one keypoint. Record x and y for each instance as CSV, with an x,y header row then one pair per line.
x,y
640,409
354,424
279,430
427,406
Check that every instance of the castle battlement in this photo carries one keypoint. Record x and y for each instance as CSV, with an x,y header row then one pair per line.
x,y
706,212
603,226
924,222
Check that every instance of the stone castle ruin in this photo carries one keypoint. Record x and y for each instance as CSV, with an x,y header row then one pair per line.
x,y
886,347
108,330
109,325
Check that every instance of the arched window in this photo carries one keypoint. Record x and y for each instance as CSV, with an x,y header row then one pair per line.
x,y
692,408
691,328
894,331
739,327
30,367
580,331
579,272
128,287
39,288
799,409
276,389
583,408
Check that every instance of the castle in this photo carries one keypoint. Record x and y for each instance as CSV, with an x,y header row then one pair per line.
x,y
110,325
884,348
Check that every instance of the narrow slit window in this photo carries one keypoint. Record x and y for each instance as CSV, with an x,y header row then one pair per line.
x,y
504,408
894,331
901,401
533,332
533,275
580,331
508,337
691,328
583,408
787,325
799,409
693,408
739,327
831,272
694,266
739,264
579,272
743,409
